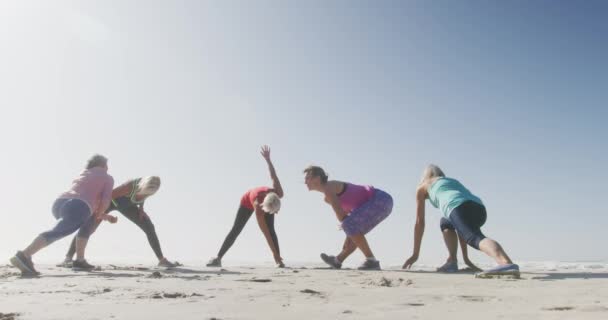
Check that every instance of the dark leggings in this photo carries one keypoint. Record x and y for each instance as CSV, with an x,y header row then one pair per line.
x,y
145,224
467,220
242,216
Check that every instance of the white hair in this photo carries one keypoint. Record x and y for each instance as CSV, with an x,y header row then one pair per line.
x,y
148,185
272,203
430,172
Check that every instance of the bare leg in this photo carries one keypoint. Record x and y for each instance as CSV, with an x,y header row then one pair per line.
x,y
348,248
81,244
494,250
362,244
465,255
451,242
35,246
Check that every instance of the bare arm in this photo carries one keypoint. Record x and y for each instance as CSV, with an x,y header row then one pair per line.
x,y
106,197
276,184
465,255
334,202
421,194
259,215
123,190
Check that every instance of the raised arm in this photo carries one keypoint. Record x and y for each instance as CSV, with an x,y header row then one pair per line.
x,y
421,194
276,184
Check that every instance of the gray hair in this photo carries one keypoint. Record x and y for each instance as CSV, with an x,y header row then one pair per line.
x,y
97,160
272,203
431,171
148,185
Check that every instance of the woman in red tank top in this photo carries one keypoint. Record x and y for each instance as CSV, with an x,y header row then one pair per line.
x,y
265,202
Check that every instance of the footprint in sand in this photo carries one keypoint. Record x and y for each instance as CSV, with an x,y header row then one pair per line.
x,y
475,298
559,308
8,316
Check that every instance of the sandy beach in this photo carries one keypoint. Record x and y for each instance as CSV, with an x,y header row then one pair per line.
x,y
305,292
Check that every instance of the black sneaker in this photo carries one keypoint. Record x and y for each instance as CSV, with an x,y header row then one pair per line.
x,y
214,262
78,265
24,264
370,265
331,261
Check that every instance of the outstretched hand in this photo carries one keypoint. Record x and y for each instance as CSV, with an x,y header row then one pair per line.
x,y
409,262
265,152
472,266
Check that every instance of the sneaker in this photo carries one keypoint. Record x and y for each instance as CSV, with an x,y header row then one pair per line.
x,y
332,261
168,264
280,265
214,262
24,264
505,269
78,265
67,263
370,265
449,267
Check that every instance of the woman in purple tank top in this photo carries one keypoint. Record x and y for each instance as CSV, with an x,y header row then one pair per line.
x,y
358,208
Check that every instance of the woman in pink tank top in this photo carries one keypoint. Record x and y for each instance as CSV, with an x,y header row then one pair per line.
x,y
265,202
358,208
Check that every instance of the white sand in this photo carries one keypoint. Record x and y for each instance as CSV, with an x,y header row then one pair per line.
x,y
299,293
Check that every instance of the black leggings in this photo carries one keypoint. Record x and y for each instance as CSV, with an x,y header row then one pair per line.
x,y
145,224
242,216
467,220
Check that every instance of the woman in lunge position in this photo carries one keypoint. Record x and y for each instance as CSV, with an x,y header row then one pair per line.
x,y
463,212
88,198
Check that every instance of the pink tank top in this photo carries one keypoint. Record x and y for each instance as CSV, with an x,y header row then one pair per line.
x,y
353,196
252,195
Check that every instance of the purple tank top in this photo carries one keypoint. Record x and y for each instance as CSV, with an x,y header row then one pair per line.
x,y
354,196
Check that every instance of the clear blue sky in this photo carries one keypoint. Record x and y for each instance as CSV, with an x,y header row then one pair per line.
x,y
507,96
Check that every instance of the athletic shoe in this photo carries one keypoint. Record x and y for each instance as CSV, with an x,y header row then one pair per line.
x,y
214,262
331,261
83,265
67,263
505,269
24,264
168,264
449,267
370,265
280,265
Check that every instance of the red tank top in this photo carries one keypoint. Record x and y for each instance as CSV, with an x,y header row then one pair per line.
x,y
252,195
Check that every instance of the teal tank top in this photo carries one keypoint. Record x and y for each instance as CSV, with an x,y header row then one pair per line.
x,y
447,194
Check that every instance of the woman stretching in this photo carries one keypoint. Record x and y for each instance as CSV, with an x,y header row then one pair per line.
x,y
358,208
87,199
462,211
129,199
265,202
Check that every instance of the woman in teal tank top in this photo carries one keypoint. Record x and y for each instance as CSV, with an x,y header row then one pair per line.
x,y
463,215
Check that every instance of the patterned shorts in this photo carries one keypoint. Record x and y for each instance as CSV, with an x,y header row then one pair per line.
x,y
366,217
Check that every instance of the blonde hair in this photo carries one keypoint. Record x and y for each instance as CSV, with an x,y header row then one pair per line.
x,y
431,171
272,203
148,185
